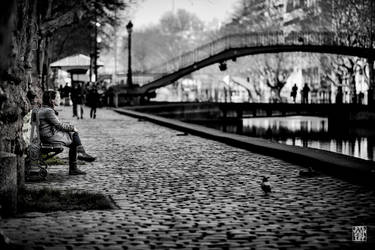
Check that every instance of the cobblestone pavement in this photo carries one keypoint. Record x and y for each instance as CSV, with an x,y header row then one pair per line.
x,y
187,192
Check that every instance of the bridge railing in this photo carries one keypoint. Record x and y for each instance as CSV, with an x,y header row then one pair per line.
x,y
253,39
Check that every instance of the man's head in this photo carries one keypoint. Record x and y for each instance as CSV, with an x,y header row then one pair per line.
x,y
49,98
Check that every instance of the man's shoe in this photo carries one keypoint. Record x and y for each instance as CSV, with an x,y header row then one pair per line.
x,y
86,157
76,172
73,169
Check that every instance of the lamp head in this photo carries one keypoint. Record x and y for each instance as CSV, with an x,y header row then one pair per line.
x,y
129,26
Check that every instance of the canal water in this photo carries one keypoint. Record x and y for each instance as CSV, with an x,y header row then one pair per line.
x,y
313,132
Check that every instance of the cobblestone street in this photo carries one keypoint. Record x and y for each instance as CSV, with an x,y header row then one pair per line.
x,y
187,192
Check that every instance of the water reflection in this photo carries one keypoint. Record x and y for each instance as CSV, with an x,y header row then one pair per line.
x,y
313,132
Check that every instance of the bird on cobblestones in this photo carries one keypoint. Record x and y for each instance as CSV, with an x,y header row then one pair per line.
x,y
308,173
266,186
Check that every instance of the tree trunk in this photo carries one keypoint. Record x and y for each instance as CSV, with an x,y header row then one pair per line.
x,y
44,63
371,90
352,88
8,184
18,19
277,92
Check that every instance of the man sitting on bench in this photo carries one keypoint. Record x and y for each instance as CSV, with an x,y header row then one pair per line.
x,y
52,131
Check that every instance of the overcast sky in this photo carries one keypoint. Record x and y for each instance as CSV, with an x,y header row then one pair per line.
x,y
149,12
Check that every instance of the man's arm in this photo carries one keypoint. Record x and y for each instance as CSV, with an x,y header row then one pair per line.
x,y
52,118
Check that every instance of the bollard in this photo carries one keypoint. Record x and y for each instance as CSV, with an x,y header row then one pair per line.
x,y
8,184
20,171
115,100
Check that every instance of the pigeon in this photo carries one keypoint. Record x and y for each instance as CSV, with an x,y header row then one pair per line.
x,y
307,173
266,186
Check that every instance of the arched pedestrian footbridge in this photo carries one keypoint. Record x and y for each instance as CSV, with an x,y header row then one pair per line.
x,y
242,44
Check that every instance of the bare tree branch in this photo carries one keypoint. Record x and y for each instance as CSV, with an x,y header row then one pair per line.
x,y
68,18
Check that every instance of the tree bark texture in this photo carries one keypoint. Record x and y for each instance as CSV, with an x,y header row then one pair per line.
x,y
371,90
19,31
8,184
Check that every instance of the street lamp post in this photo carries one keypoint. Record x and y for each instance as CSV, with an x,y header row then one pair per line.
x,y
98,41
129,28
95,52
370,61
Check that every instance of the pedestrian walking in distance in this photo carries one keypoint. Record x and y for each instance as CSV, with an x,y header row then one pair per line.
x,y
74,97
80,100
93,101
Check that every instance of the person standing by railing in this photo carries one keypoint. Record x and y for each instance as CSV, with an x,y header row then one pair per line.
x,y
293,94
305,93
